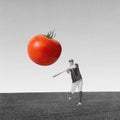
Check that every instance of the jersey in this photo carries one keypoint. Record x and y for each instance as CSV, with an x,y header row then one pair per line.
x,y
75,73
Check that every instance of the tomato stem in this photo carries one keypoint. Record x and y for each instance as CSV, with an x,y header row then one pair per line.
x,y
51,34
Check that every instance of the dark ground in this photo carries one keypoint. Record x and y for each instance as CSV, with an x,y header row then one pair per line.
x,y
56,106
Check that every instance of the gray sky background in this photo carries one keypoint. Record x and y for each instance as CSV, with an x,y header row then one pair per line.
x,y
89,31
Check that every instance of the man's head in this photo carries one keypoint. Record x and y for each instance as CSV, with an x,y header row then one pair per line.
x,y
71,61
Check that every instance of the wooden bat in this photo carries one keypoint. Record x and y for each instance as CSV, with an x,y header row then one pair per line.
x,y
59,73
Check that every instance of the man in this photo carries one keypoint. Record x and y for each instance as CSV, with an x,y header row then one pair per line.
x,y
77,81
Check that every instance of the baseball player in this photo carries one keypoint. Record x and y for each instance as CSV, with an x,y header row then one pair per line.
x,y
77,81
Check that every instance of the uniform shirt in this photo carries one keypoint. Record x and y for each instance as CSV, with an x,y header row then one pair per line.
x,y
75,73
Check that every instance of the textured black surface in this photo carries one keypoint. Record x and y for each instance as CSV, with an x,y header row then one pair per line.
x,y
56,106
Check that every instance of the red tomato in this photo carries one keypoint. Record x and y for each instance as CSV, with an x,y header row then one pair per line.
x,y
43,49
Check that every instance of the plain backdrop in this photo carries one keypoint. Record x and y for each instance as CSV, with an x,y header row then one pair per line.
x,y
88,30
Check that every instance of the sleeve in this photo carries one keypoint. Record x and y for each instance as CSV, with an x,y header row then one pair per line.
x,y
68,70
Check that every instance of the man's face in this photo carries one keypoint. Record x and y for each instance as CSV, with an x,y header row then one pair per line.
x,y
71,63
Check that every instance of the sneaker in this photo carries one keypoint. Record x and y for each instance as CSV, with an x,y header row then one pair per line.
x,y
70,98
79,104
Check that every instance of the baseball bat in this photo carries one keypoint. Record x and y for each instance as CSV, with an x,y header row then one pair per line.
x,y
59,73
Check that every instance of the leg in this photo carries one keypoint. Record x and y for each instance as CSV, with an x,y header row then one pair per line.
x,y
80,92
80,96
73,88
